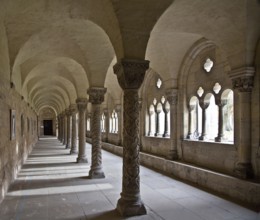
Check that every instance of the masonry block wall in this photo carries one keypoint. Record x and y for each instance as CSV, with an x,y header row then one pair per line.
x,y
18,123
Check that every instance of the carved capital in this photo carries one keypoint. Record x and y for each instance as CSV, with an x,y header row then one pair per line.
x,y
130,73
73,108
172,96
243,78
96,95
67,112
82,104
203,105
220,101
118,108
62,114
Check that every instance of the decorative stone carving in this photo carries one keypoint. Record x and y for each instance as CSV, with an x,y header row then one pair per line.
x,y
82,105
243,79
96,97
130,74
172,96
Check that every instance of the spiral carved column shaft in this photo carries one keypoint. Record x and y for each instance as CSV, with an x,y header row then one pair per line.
x,y
82,105
96,97
130,75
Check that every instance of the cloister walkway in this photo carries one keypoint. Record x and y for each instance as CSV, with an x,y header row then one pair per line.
x,y
51,185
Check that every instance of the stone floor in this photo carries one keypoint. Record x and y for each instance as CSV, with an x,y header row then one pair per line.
x,y
51,185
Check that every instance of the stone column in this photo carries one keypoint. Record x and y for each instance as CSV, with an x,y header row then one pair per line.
x,y
220,103
68,142
65,128
96,97
172,98
118,111
204,106
82,106
58,119
190,109
242,80
74,146
157,121
130,75
61,128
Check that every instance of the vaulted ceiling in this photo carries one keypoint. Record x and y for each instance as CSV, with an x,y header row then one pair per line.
x,y
56,50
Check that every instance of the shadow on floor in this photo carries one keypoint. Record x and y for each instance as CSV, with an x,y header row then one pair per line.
x,y
112,214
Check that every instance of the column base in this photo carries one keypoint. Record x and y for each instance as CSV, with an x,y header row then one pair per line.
x,y
68,146
82,160
244,170
96,174
130,208
74,152
203,138
219,139
166,135
189,136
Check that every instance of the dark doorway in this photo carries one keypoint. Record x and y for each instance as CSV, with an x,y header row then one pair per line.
x,y
47,127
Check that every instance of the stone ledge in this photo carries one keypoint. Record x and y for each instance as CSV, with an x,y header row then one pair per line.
x,y
241,191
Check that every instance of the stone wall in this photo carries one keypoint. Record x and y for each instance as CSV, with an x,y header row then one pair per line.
x,y
156,145
241,191
14,151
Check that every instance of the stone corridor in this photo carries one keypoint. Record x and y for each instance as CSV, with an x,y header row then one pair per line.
x,y
51,185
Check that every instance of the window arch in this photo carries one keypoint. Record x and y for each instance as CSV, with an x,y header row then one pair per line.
x,y
113,122
195,118
211,115
227,99
159,118
103,123
88,123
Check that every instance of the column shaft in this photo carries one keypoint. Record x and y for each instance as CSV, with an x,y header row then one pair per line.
x,y
68,142
96,97
172,98
243,80
130,75
82,156
74,146
65,130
